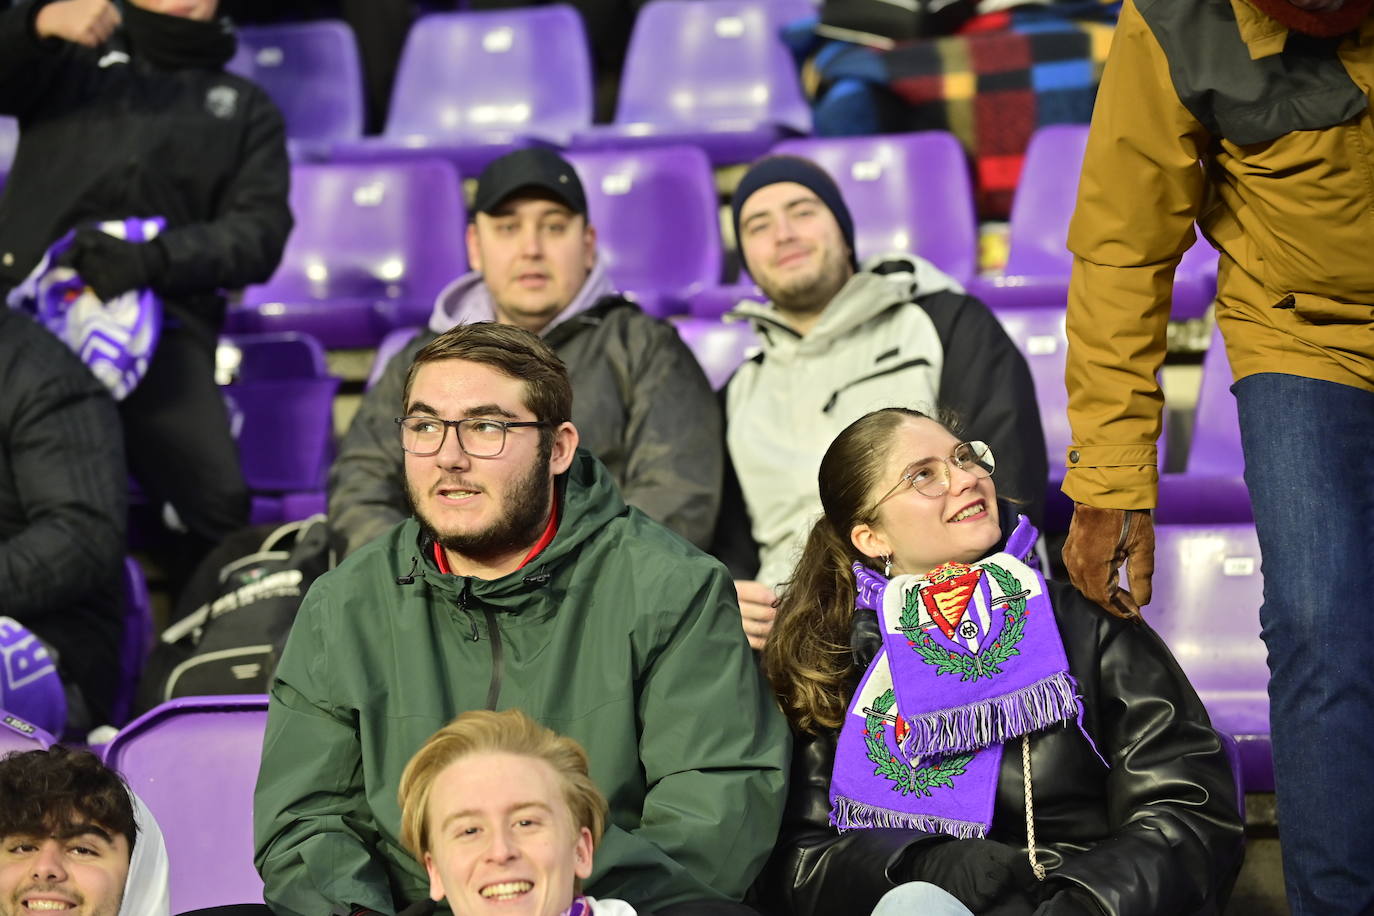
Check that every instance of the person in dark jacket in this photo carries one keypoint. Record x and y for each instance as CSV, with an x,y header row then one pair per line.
x,y
131,115
643,405
838,341
1033,753
62,508
523,581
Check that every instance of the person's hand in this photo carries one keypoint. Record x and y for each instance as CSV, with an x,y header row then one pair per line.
x,y
978,872
1070,901
83,22
1099,541
111,266
757,608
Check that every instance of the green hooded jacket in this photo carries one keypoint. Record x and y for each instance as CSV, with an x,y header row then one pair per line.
x,y
619,633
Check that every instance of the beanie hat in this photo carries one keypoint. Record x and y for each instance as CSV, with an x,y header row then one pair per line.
x,y
777,169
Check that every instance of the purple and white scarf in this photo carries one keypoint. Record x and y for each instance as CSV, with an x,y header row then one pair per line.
x,y
971,658
115,339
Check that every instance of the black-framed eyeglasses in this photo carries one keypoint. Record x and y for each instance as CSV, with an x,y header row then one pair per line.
x,y
478,437
930,476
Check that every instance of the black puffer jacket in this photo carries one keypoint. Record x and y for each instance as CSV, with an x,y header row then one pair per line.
x,y
106,135
1156,835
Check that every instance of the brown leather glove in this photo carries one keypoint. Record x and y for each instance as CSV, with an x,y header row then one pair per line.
x,y
1099,541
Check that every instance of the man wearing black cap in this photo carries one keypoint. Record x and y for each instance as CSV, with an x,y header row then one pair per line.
x,y
839,341
643,405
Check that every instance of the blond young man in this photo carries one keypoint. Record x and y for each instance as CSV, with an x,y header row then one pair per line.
x,y
501,810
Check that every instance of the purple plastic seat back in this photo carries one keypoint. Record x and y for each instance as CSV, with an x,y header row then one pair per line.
x,y
1206,599
137,640
715,65
311,70
720,347
391,344
522,72
285,401
655,213
373,245
907,193
194,762
1216,430
18,735
1040,214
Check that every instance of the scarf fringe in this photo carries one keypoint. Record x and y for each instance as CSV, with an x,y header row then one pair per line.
x,y
847,814
995,720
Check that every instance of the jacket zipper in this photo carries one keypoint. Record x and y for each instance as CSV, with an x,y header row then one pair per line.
x,y
494,689
463,606
835,396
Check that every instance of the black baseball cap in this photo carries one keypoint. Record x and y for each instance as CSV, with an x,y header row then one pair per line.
x,y
534,167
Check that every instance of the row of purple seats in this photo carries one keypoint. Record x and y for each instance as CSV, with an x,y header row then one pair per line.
x,y
374,243
9,140
473,85
1038,261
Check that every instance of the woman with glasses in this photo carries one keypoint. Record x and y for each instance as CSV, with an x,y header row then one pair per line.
x,y
971,737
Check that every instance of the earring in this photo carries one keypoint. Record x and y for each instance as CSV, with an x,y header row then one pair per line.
x,y
887,565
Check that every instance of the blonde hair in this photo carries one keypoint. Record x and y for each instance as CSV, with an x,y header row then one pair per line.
x,y
507,732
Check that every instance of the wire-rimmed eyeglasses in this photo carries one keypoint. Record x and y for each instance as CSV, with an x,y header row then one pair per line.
x,y
478,437
930,476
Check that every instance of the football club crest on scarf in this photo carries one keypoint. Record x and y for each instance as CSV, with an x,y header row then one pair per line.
x,y
115,339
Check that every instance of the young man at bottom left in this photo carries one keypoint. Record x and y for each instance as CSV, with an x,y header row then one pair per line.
x,y
75,840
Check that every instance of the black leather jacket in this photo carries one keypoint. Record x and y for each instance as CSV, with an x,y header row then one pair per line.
x,y
1158,834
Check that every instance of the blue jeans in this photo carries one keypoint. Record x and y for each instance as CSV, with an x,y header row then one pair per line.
x,y
1309,465
917,898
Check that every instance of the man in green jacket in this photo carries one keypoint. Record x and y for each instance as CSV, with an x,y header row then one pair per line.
x,y
523,581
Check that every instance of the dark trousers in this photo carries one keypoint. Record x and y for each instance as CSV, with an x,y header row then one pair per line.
x,y
179,447
704,908
1311,479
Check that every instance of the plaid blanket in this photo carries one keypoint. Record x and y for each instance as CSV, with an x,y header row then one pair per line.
x,y
993,84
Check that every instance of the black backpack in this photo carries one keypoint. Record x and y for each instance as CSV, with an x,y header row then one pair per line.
x,y
236,612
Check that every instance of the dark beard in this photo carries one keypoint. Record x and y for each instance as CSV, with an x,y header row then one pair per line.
x,y
520,525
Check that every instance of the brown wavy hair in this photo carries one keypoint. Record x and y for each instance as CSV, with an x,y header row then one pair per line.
x,y
807,657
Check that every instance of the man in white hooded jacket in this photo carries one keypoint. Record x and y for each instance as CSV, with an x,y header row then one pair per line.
x,y
837,342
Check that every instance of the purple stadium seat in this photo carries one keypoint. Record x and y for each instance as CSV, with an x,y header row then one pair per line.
x,y
709,72
136,642
1039,335
16,734
908,193
1207,594
472,86
391,344
719,346
714,301
657,227
311,70
1213,487
373,245
194,762
1038,261
283,398
9,141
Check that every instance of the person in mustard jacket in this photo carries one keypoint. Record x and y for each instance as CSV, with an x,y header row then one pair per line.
x,y
1252,118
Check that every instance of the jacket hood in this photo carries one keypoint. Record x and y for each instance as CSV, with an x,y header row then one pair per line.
x,y
467,300
145,889
882,283
588,499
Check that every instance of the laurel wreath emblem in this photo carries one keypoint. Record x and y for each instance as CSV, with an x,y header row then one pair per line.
x,y
987,663
904,777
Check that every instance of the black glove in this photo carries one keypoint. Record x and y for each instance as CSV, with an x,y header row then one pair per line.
x,y
1013,903
112,266
977,872
1071,901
